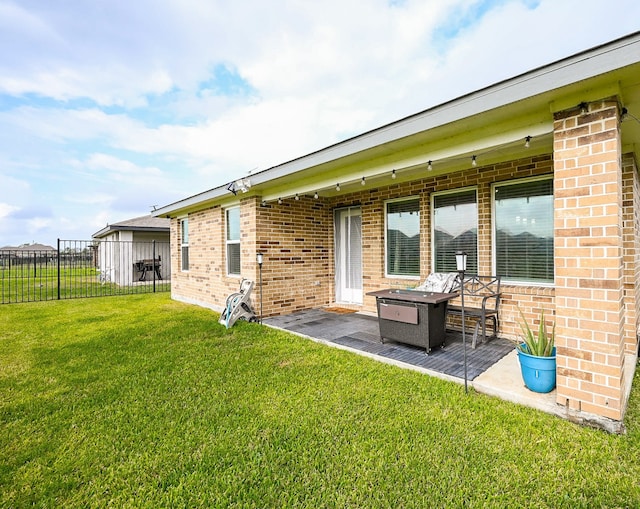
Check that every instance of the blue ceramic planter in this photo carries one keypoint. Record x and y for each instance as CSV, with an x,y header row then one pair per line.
x,y
538,373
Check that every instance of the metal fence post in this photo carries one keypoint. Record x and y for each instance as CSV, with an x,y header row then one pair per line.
x,y
153,263
58,254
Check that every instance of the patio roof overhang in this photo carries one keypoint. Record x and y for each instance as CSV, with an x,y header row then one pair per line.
x,y
491,124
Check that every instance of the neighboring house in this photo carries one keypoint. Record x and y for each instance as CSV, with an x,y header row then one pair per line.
x,y
41,253
122,249
535,177
30,248
39,247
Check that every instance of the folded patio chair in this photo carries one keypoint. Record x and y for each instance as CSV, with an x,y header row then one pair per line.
x,y
440,282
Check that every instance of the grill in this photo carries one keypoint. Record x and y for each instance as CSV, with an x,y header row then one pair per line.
x,y
412,317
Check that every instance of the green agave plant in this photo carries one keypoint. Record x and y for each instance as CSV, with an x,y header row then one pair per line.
x,y
540,345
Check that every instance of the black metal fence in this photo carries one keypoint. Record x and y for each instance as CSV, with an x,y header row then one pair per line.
x,y
82,268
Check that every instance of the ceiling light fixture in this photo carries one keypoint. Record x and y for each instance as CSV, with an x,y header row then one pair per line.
x,y
584,108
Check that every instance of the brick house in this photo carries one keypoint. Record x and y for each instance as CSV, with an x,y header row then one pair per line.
x,y
536,177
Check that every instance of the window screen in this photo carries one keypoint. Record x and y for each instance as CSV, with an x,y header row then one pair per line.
x,y
233,241
455,228
524,231
184,244
403,238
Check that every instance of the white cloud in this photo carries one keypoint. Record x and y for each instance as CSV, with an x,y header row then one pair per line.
x,y
6,210
121,168
12,188
38,224
109,108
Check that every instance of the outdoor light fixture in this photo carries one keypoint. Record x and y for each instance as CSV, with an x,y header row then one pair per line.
x,y
393,174
279,201
584,108
473,161
527,142
243,184
315,196
297,197
461,261
363,181
338,186
239,185
429,165
259,260
461,266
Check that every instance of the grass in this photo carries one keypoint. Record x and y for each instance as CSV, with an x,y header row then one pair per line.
x,y
27,284
141,401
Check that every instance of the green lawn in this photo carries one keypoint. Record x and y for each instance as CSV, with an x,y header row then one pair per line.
x,y
26,284
140,401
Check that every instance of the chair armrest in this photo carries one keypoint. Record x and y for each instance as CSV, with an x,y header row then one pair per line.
x,y
495,296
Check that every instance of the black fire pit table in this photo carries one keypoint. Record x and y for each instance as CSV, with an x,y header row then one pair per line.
x,y
413,317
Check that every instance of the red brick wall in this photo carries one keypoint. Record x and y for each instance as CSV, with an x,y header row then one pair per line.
x,y
296,239
206,282
589,259
482,177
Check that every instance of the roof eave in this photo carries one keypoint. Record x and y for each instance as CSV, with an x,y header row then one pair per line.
x,y
113,228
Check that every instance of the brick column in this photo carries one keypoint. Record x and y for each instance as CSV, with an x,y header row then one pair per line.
x,y
589,295
631,232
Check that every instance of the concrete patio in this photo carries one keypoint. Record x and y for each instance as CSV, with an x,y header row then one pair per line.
x,y
492,367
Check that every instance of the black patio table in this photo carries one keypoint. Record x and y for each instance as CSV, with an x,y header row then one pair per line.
x,y
414,317
144,266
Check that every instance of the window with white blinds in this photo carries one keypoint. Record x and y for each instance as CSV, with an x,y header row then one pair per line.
x,y
233,241
523,219
455,228
184,244
402,237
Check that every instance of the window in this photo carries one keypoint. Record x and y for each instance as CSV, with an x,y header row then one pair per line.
x,y
402,239
523,218
233,241
184,244
455,228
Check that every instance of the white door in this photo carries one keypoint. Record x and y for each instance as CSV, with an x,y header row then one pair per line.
x,y
348,248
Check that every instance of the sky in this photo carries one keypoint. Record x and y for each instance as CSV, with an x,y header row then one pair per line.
x,y
111,107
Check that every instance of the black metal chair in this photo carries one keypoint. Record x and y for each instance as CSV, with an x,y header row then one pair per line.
x,y
481,302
